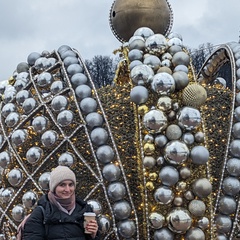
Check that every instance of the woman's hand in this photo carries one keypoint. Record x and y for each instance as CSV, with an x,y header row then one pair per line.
x,y
92,227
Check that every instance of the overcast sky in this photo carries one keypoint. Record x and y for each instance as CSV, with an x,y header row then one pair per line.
x,y
35,25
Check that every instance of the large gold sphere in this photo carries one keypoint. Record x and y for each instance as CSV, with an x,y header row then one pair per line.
x,y
127,16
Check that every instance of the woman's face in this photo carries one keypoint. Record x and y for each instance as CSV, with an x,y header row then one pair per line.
x,y
65,189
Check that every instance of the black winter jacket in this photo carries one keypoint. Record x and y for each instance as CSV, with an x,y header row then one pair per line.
x,y
56,225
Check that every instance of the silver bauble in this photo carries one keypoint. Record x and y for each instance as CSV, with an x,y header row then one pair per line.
x,y
6,195
169,175
164,195
15,177
8,108
18,213
189,118
59,103
203,223
160,140
65,118
139,95
199,155
49,138
12,119
96,206
141,73
136,42
5,159
202,187
70,60
149,162
29,199
45,79
233,167
111,172
181,58
104,224
34,154
236,130
88,105
181,79
43,181
74,68
164,104
188,138
144,32
78,79
22,96
223,223
126,228
176,152
29,105
83,91
197,208
163,83
66,159
235,148
153,62
227,205
40,124
156,44
32,57
94,119
135,54
199,137
134,64
19,137
179,220
163,234
99,136
173,132
105,154
156,220
116,191
231,186
121,210
195,234
155,121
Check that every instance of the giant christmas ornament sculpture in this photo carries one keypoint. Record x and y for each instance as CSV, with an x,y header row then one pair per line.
x,y
156,155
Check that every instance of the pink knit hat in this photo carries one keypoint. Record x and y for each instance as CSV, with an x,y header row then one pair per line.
x,y
59,174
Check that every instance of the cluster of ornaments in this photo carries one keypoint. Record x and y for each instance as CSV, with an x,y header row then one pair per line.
x,y
226,208
173,140
49,102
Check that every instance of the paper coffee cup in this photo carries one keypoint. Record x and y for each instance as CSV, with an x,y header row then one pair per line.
x,y
87,217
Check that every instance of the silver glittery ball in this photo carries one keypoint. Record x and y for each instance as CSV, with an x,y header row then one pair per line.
x,y
202,187
173,132
227,205
121,210
163,234
223,223
197,208
105,154
231,186
195,234
111,172
116,191
126,228
233,167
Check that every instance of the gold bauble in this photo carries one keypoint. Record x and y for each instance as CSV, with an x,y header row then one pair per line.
x,y
127,16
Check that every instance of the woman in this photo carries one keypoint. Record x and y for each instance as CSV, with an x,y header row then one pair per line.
x,y
63,212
